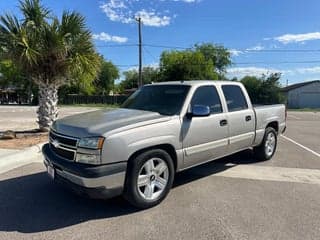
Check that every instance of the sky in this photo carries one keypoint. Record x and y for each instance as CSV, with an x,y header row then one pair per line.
x,y
264,36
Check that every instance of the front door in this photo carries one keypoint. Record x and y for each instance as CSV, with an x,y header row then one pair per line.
x,y
205,138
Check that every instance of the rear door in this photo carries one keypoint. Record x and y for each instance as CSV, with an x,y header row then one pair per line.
x,y
205,138
241,118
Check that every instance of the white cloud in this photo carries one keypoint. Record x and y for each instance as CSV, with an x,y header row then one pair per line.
x,y
151,18
117,11
310,70
188,1
109,38
298,38
252,71
255,48
235,52
258,71
125,11
154,65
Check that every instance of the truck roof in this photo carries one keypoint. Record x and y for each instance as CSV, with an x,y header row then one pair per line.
x,y
197,82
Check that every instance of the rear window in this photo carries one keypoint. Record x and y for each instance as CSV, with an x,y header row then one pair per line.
x,y
235,98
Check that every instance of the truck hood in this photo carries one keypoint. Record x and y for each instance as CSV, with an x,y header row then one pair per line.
x,y
98,123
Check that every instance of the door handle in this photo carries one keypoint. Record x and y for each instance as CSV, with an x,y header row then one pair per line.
x,y
248,118
223,122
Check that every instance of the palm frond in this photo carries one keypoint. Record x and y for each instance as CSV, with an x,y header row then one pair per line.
x,y
72,23
50,50
34,12
9,25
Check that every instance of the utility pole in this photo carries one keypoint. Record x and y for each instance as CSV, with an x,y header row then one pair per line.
x,y
140,83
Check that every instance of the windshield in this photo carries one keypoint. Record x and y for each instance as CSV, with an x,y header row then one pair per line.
x,y
164,99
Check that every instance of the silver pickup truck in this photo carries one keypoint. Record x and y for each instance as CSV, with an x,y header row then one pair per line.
x,y
161,129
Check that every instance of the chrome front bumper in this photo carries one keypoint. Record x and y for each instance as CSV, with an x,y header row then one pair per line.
x,y
103,181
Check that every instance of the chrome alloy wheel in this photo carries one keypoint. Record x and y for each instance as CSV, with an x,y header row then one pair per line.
x,y
152,178
270,144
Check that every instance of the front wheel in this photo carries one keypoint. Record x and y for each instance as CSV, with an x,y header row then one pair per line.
x,y
149,178
268,147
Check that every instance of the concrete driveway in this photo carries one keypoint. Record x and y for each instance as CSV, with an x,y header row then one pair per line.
x,y
20,118
232,198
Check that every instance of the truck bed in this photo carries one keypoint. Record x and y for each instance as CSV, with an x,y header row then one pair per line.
x,y
266,114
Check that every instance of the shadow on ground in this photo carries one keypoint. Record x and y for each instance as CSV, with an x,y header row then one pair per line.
x,y
33,203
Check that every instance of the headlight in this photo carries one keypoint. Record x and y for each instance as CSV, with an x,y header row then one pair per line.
x,y
91,142
88,158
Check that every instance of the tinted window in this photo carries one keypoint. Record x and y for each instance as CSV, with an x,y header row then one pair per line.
x,y
208,96
164,99
234,97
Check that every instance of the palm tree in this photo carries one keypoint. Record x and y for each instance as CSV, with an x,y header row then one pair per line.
x,y
50,51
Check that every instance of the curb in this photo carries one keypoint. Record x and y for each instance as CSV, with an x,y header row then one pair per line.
x,y
26,156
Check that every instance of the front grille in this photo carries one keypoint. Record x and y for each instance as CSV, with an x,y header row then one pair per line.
x,y
63,139
63,146
69,155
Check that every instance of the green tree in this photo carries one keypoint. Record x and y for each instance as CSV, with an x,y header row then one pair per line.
x,y
105,80
253,86
185,65
52,51
149,75
264,90
271,89
219,55
10,74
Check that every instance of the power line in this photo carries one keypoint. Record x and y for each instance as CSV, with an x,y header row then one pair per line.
x,y
280,62
144,46
117,45
150,54
239,63
166,46
240,49
126,65
278,50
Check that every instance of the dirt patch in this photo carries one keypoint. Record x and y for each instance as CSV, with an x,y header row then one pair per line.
x,y
24,141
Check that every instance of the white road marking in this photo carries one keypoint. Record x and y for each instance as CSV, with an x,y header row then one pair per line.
x,y
266,173
300,145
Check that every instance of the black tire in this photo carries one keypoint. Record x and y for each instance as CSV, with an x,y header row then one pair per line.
x,y
131,192
260,152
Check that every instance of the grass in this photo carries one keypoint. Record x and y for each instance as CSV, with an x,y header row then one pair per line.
x,y
304,109
91,105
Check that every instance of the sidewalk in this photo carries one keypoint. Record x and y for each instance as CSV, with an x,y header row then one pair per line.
x,y
11,159
22,118
4,152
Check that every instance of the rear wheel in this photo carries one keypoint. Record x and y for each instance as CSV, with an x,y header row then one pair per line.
x,y
267,148
149,178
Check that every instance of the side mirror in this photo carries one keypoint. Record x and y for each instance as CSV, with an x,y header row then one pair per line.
x,y
198,111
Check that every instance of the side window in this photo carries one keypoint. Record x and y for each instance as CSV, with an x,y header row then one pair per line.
x,y
236,101
208,96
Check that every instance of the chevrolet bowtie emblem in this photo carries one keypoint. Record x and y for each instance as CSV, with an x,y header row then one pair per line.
x,y
55,143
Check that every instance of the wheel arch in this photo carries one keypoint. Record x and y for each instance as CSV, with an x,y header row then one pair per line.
x,y
166,147
274,125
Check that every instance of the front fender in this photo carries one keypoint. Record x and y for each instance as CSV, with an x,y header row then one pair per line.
x,y
120,146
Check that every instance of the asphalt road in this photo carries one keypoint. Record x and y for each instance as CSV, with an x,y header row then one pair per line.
x,y
232,198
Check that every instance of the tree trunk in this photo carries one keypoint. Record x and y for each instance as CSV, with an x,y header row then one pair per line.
x,y
48,106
